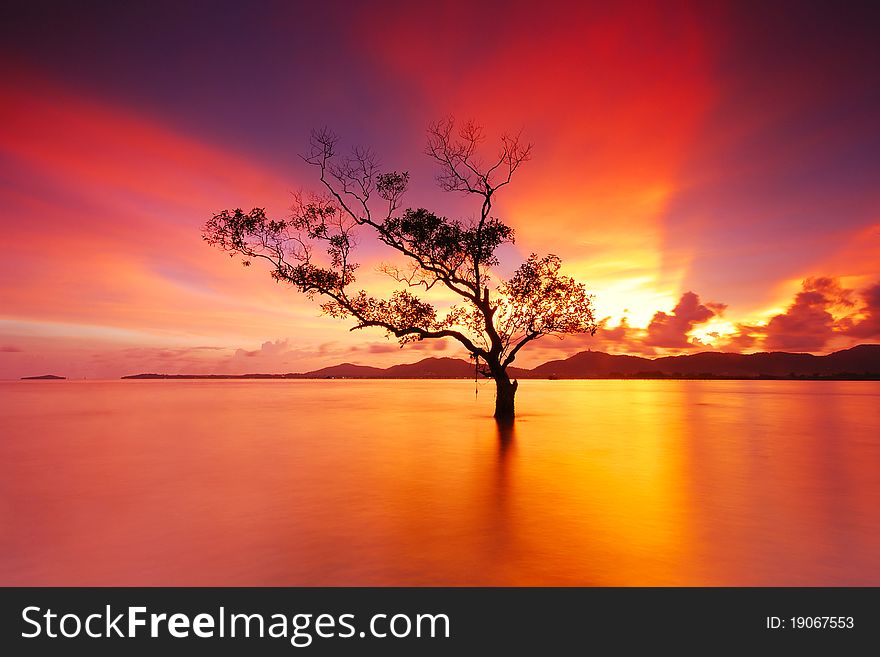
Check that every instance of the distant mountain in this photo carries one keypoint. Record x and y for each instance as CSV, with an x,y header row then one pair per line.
x,y
439,368
863,358
344,371
212,376
44,377
862,361
592,364
427,368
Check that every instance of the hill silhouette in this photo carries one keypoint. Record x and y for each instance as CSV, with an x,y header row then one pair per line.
x,y
858,362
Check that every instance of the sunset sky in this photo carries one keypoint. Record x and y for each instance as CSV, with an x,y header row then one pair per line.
x,y
710,170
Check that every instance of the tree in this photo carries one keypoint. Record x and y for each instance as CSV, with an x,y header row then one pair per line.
x,y
312,250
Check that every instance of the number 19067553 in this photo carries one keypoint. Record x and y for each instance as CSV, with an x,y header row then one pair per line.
x,y
810,623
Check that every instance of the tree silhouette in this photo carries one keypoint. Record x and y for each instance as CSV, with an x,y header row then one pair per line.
x,y
313,249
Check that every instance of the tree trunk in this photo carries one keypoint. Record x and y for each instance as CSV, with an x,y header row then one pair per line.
x,y
505,391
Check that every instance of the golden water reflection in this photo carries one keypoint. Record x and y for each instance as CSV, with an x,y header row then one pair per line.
x,y
409,482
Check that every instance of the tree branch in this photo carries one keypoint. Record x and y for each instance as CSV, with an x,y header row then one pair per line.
x,y
424,334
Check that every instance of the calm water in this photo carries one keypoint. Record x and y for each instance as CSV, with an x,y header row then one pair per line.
x,y
408,482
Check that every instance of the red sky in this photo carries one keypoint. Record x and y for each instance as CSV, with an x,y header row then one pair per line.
x,y
710,170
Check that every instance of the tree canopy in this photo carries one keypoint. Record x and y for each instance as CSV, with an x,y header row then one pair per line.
x,y
313,250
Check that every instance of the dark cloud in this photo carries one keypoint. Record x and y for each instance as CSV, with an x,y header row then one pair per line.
x,y
746,337
869,325
380,348
807,324
428,345
10,349
154,353
670,330
267,349
622,338
820,316
617,334
421,345
831,289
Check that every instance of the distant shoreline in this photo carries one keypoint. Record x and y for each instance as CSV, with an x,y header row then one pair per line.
x,y
859,363
631,377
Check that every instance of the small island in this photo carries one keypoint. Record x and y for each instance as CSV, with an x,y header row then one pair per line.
x,y
44,377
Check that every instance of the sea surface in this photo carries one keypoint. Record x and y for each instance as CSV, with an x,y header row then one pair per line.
x,y
347,482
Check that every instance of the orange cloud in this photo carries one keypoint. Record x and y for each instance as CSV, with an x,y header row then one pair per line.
x,y
671,330
822,311
869,324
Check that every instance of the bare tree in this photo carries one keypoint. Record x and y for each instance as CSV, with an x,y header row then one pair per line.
x,y
313,251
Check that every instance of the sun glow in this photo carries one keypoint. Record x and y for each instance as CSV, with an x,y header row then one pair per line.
x,y
713,332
